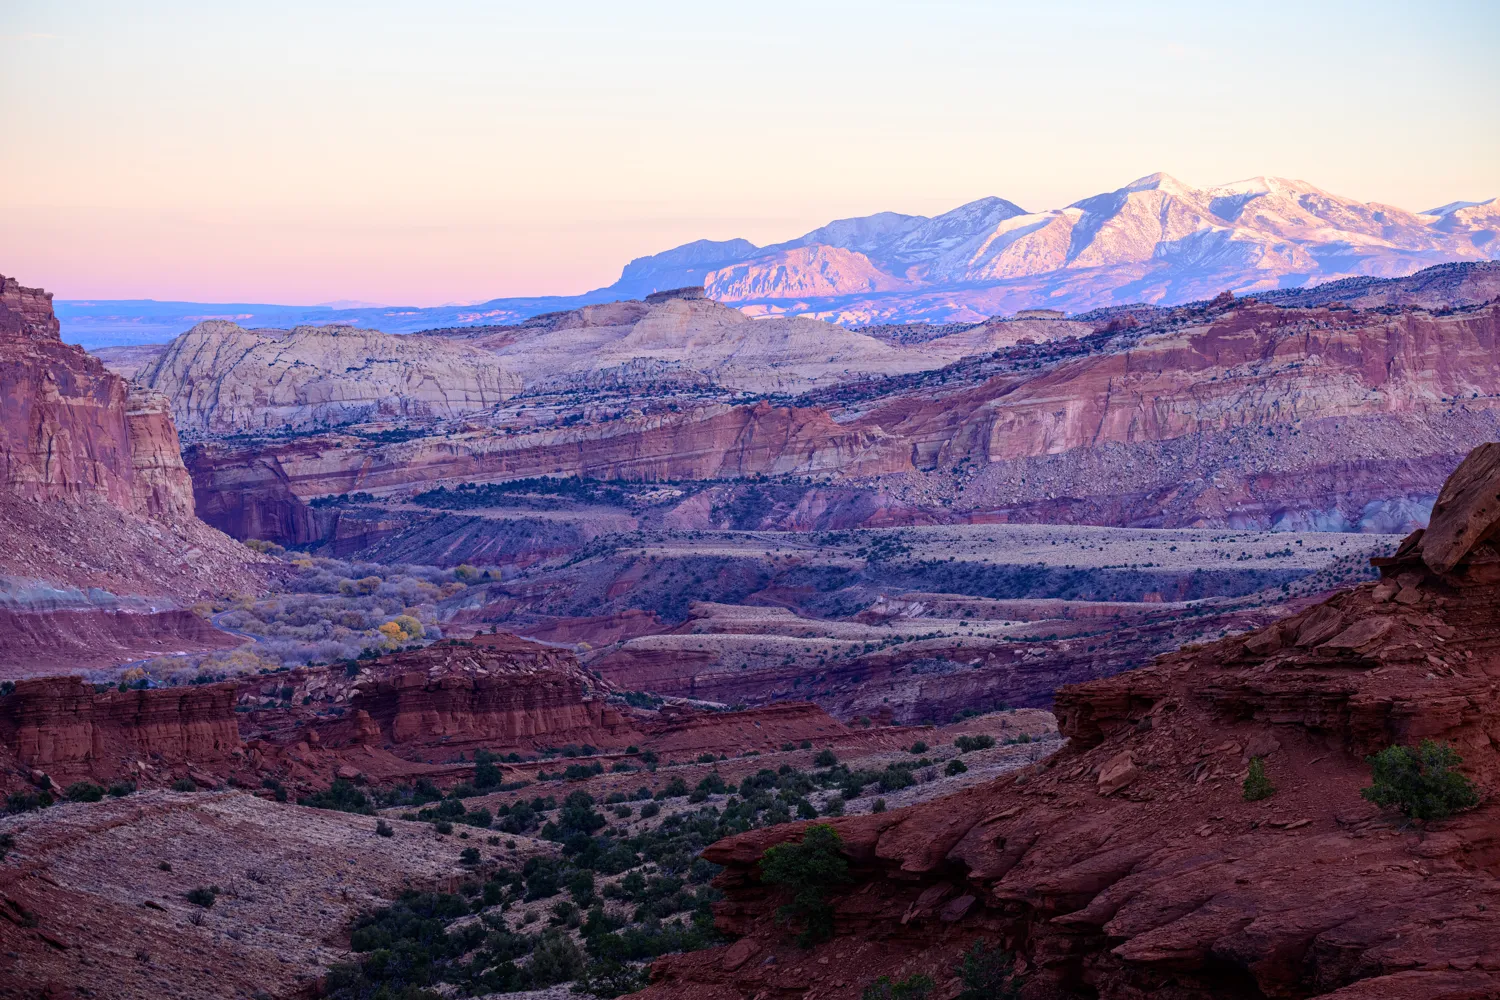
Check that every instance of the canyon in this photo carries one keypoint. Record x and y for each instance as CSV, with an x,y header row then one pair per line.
x,y
1229,412
1129,862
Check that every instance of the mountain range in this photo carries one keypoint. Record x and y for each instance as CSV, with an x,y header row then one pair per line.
x,y
1154,240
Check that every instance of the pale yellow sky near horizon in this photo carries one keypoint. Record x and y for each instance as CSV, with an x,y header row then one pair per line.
x,y
450,151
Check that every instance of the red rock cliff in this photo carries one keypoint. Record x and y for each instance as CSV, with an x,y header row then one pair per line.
x,y
69,428
1128,864
495,689
60,726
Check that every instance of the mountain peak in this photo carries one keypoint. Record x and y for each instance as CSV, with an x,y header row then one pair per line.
x,y
1454,206
1158,181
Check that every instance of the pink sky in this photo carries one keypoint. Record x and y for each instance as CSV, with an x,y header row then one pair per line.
x,y
459,152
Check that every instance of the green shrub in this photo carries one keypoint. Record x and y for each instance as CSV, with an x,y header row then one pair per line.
x,y
201,896
7,841
26,801
988,974
834,806
955,766
1257,785
968,743
469,856
184,785
120,789
341,796
649,809
384,829
825,758
673,788
607,978
556,959
878,806
913,987
896,777
1421,783
919,747
809,870
84,791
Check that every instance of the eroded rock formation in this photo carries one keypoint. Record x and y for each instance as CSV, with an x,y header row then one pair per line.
x,y
261,491
1129,863
95,498
71,429
497,690
1229,413
222,379
62,727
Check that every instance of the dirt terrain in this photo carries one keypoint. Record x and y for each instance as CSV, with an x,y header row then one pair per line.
x,y
94,895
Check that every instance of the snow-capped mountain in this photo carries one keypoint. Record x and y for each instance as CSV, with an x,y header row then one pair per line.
x,y
1155,239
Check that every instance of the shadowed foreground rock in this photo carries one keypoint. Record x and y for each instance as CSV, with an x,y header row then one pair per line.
x,y
1129,865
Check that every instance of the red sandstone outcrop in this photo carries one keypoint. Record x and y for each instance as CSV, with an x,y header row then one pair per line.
x,y
71,428
1128,863
95,493
62,727
497,690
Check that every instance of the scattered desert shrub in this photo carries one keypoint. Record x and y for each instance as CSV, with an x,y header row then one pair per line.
x,y
913,987
1422,783
203,896
1257,785
988,974
341,796
84,791
808,869
980,742
955,766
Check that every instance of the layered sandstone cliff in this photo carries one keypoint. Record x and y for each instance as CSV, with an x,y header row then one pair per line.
x,y
497,690
61,726
1229,413
1129,862
222,379
684,337
260,491
95,492
74,430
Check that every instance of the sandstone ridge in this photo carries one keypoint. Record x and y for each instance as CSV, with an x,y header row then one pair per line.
x,y
222,379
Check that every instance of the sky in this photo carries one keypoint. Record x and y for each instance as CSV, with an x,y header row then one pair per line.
x,y
438,152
